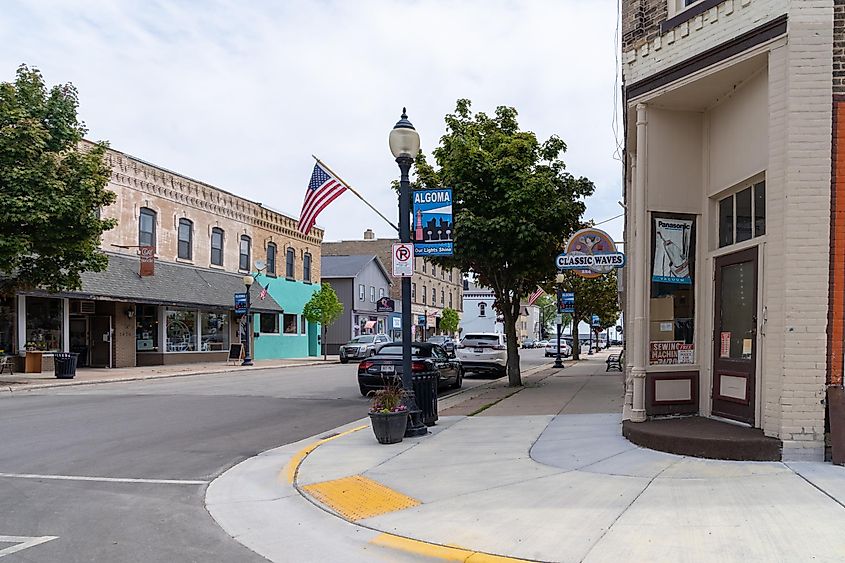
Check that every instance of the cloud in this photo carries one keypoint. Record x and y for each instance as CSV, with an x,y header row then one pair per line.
x,y
240,95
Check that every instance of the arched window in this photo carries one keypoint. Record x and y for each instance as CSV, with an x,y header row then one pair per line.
x,y
271,259
442,297
217,246
186,239
306,267
482,309
290,255
244,258
424,294
147,227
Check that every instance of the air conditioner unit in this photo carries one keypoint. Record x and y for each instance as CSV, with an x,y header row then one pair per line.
x,y
87,307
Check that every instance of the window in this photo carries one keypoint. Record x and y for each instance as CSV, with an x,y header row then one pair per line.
x,y
414,291
217,246
303,327
424,294
442,274
433,296
146,328
289,258
271,259
147,227
181,330
214,331
381,292
433,271
425,266
482,309
186,235
442,297
44,320
361,292
372,294
450,274
306,267
290,323
268,323
450,299
244,260
742,216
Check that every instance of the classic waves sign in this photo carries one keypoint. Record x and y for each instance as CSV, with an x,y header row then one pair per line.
x,y
591,253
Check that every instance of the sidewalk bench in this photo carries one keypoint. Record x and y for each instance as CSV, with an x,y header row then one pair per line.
x,y
614,361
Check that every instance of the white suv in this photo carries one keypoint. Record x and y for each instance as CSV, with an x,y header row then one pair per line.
x,y
484,351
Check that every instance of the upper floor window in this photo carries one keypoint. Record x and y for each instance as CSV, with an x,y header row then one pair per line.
x,y
372,294
244,260
186,236
425,266
306,267
424,294
381,292
450,274
271,259
289,258
450,299
413,291
433,271
482,309
442,297
361,292
147,227
217,246
433,296
742,216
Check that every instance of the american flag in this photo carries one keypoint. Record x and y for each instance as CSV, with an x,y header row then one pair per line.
x,y
322,190
535,296
263,293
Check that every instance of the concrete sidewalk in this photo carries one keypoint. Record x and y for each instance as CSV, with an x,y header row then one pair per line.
x,y
540,475
26,381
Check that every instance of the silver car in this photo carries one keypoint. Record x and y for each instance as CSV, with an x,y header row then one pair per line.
x,y
362,347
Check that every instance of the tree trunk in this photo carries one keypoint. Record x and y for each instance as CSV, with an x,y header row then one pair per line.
x,y
514,375
576,343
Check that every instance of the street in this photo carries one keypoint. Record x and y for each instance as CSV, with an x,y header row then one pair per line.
x,y
118,471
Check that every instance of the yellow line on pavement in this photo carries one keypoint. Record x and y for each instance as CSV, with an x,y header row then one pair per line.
x,y
292,466
436,551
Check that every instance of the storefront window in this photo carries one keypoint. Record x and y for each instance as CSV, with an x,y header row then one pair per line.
x,y
146,328
742,216
181,331
44,324
290,324
269,323
7,323
214,331
672,296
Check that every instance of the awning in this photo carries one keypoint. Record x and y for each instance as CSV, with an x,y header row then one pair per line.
x,y
173,284
369,324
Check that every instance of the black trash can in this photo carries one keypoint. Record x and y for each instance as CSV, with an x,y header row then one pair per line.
x,y
425,390
65,365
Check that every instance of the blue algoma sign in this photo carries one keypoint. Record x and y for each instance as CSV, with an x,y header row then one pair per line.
x,y
240,302
433,226
565,302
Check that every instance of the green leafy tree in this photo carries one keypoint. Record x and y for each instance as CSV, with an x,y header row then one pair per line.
x,y
449,321
548,311
514,206
53,189
597,296
325,308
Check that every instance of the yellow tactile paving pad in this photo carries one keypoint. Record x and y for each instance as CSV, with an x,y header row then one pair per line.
x,y
356,498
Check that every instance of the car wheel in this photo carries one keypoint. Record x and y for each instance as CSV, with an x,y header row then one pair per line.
x,y
459,381
364,391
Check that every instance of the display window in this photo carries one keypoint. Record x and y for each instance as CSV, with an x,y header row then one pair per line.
x,y
44,324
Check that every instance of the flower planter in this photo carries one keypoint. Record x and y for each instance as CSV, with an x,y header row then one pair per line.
x,y
389,428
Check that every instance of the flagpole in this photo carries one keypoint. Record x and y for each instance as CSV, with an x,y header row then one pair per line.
x,y
351,189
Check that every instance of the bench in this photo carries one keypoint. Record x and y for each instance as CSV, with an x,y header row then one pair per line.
x,y
614,361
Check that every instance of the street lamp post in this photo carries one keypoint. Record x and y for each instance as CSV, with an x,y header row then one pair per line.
x,y
248,281
559,279
405,144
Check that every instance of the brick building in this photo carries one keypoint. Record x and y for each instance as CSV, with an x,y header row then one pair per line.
x,y
735,195
205,240
432,288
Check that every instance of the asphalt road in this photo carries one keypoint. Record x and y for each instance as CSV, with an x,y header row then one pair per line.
x,y
118,471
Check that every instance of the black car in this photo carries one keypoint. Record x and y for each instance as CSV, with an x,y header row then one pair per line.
x,y
385,368
445,341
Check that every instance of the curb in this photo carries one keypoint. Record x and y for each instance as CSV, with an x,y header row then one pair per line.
x,y
74,383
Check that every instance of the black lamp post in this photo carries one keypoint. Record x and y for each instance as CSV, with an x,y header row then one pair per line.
x,y
559,279
405,144
248,281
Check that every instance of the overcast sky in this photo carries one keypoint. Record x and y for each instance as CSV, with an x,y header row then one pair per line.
x,y
240,94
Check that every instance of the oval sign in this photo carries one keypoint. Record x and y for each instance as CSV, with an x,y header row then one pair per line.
x,y
591,253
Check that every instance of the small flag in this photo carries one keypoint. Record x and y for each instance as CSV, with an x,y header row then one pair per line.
x,y
535,296
323,189
263,294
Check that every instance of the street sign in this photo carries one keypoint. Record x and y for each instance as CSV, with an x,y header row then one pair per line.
x,y
240,302
403,260
590,253
421,320
596,320
433,224
558,319
385,305
565,302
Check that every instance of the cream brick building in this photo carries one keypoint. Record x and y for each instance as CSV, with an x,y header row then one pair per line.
x,y
735,285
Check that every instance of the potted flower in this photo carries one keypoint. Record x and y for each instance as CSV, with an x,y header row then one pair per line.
x,y
388,415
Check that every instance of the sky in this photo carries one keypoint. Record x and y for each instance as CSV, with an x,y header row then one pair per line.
x,y
241,94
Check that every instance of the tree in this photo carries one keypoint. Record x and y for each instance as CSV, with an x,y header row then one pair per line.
x,y
53,189
548,310
596,296
449,321
324,307
514,206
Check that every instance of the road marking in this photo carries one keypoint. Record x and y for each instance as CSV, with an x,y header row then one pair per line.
x,y
437,551
357,497
292,466
103,479
23,542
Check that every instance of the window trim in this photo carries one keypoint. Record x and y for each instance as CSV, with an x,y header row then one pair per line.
x,y
151,213
185,222
278,324
306,270
268,271
290,263
284,331
750,184
248,240
214,231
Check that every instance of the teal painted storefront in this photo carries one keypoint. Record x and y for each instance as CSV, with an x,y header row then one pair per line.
x,y
292,296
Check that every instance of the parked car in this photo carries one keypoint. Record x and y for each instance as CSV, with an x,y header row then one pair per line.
x,y
443,340
484,352
542,343
551,349
362,347
385,368
529,343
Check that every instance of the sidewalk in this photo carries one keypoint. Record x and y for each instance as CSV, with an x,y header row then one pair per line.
x,y
540,475
26,381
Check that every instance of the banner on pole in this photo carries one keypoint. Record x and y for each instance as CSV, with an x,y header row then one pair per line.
x,y
433,224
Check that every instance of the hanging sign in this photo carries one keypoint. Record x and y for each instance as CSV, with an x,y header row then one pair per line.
x,y
596,321
590,253
671,251
148,260
433,225
240,302
565,302
385,305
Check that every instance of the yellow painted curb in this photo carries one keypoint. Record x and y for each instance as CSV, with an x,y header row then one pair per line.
x,y
435,551
292,466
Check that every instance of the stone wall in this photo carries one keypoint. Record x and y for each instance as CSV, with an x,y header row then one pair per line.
x,y
641,21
